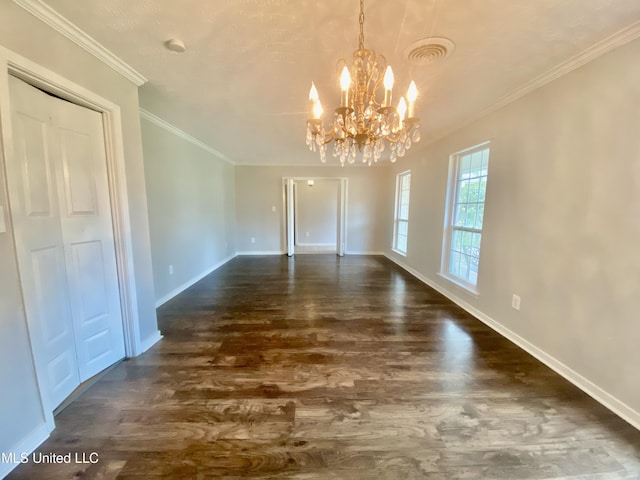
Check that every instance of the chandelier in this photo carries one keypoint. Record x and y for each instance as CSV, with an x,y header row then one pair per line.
x,y
363,126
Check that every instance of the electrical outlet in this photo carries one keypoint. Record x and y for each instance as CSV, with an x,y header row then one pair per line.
x,y
253,239
306,234
170,269
515,302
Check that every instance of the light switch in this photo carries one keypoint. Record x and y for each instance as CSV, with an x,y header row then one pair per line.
x,y
273,209
3,225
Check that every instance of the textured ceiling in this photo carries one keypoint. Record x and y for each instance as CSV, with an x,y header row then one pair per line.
x,y
242,85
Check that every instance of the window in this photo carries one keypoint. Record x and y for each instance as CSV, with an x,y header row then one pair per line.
x,y
401,222
465,211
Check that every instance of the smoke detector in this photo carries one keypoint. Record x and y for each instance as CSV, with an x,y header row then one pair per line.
x,y
175,45
429,50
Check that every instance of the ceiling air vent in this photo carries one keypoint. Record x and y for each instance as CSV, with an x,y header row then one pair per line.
x,y
429,50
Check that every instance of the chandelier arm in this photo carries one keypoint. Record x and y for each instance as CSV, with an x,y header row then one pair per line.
x,y
394,137
335,128
382,66
328,137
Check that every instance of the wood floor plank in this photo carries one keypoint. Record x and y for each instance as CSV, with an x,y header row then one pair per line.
x,y
322,367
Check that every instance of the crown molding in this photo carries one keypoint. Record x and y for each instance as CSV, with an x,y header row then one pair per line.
x,y
618,39
183,135
60,24
603,47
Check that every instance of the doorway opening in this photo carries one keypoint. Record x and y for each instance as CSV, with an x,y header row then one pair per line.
x,y
315,214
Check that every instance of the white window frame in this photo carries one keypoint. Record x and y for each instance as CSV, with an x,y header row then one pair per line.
x,y
449,227
398,208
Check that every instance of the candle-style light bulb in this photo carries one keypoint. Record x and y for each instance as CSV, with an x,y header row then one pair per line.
x,y
388,78
388,86
313,93
317,109
345,83
402,110
412,94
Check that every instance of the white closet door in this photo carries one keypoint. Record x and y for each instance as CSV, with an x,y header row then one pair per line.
x,y
39,245
60,205
87,233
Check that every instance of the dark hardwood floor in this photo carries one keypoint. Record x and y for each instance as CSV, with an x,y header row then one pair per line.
x,y
325,368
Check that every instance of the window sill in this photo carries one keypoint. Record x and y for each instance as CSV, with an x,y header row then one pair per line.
x,y
404,254
470,289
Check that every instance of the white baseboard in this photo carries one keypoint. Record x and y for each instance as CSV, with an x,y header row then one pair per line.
x,y
147,344
260,252
356,252
26,446
165,298
612,403
321,245
316,252
275,252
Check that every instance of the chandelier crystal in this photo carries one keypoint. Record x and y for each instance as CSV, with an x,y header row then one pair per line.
x,y
365,124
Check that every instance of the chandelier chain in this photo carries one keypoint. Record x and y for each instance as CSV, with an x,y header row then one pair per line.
x,y
361,19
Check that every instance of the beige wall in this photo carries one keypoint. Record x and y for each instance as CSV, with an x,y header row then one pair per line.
x,y
317,212
258,189
191,200
20,410
562,222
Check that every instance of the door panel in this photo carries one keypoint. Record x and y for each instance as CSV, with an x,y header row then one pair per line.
x,y
47,272
63,372
88,265
79,179
87,233
96,348
35,171
93,315
39,245
57,337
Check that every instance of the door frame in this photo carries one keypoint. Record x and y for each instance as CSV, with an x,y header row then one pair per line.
x,y
34,74
288,199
